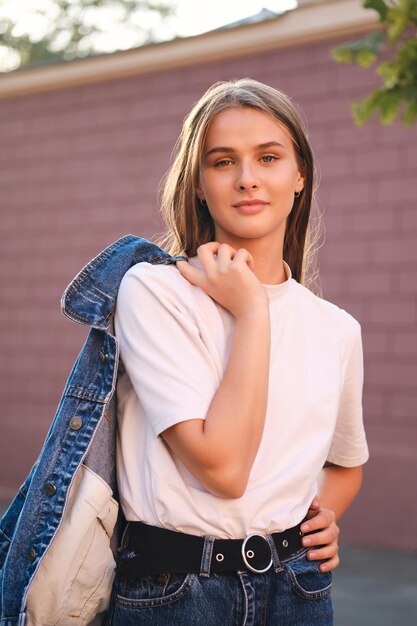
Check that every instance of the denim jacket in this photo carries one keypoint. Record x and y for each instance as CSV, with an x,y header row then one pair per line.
x,y
75,470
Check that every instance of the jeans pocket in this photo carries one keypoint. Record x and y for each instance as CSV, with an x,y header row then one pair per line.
x,y
152,591
306,579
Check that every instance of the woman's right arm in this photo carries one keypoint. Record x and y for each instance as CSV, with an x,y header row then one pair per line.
x,y
220,450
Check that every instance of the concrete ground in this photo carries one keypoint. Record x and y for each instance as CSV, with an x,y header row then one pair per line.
x,y
375,587
372,587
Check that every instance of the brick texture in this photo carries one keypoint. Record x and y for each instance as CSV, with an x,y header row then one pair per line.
x,y
80,168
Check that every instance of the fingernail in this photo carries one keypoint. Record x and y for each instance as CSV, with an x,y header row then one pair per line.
x,y
306,541
312,555
305,528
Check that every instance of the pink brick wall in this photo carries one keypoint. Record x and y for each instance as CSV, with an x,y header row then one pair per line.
x,y
80,168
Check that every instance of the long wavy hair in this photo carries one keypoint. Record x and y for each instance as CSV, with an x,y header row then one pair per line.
x,y
189,223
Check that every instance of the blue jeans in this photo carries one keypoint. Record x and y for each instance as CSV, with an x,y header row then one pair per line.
x,y
293,593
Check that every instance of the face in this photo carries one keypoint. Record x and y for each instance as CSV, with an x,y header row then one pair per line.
x,y
248,176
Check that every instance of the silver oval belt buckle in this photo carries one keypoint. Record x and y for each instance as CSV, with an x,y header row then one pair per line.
x,y
249,554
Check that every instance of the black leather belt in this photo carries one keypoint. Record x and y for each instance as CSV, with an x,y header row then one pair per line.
x,y
148,550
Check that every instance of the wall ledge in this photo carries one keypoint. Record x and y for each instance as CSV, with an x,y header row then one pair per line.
x,y
310,22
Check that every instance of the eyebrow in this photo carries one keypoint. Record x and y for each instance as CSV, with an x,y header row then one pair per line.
x,y
261,146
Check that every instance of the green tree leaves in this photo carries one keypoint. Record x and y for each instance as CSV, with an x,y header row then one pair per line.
x,y
362,51
398,93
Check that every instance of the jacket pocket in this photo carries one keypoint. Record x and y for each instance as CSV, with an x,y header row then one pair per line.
x,y
74,579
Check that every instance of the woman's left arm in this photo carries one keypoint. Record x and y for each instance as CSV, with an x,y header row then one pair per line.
x,y
338,487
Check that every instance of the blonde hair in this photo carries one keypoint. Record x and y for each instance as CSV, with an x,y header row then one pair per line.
x,y
189,223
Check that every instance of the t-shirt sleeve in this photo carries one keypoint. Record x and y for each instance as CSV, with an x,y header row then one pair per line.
x,y
170,368
349,446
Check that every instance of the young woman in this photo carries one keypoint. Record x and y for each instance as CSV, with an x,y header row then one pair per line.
x,y
241,437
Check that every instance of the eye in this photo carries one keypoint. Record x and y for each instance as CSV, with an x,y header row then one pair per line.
x,y
222,163
269,158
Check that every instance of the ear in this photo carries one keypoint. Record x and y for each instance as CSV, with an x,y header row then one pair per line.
x,y
200,194
300,183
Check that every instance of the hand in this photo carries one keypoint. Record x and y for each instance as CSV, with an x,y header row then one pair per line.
x,y
227,275
325,533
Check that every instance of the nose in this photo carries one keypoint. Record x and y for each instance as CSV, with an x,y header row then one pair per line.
x,y
246,179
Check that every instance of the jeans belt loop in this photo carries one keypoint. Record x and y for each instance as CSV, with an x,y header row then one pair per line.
x,y
274,553
206,556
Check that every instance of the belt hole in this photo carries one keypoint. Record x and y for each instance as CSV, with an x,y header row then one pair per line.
x,y
250,554
219,557
285,543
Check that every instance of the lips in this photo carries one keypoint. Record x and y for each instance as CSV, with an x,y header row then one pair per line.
x,y
249,207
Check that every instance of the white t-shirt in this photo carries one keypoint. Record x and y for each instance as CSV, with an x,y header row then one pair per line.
x,y
174,344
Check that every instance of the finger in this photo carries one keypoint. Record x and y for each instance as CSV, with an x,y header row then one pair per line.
x,y
206,254
327,552
330,564
315,504
182,254
322,519
193,274
209,249
321,538
243,255
313,509
225,255
324,552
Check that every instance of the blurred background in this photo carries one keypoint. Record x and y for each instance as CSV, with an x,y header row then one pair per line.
x,y
92,98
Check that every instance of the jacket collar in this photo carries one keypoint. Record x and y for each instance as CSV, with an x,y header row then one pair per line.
x,y
90,298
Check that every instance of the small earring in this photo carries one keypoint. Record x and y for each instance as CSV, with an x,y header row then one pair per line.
x,y
203,202
297,194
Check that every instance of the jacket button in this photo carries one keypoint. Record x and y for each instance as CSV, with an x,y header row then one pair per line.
x,y
103,356
76,423
50,489
32,555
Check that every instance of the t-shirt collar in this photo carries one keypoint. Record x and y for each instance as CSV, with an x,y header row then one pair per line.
x,y
280,289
